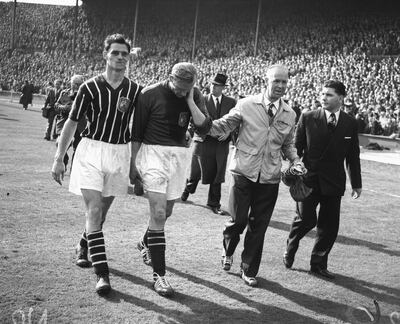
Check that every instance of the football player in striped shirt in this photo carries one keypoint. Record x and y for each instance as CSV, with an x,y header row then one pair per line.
x,y
102,159
160,155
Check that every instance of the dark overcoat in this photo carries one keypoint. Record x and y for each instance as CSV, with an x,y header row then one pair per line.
x,y
212,153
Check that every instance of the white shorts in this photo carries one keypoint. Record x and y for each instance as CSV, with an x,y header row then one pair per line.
x,y
163,169
102,167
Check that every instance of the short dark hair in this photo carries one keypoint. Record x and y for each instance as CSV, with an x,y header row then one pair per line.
x,y
338,86
116,38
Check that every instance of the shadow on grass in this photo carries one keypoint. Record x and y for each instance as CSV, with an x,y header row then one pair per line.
x,y
191,203
370,290
203,310
342,239
5,117
344,312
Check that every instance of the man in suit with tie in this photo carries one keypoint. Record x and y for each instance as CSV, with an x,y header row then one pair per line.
x,y
210,154
325,139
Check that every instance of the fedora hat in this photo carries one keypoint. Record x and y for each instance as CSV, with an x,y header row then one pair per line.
x,y
220,79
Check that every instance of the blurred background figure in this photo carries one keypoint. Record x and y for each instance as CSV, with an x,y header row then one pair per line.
x,y
63,107
27,95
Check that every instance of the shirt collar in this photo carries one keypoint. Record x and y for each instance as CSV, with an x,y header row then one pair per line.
x,y
328,114
215,98
260,99
276,104
267,102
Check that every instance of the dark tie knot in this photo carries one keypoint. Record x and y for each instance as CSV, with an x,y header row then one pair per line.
x,y
332,121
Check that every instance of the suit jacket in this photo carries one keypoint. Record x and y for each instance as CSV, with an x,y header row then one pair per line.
x,y
324,152
227,103
212,153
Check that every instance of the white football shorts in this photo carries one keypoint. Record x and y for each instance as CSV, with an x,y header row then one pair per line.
x,y
102,167
163,169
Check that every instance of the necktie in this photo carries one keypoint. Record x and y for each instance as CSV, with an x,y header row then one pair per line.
x,y
218,106
271,110
332,122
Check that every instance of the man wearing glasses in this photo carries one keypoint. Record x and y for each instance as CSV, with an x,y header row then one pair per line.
x,y
102,159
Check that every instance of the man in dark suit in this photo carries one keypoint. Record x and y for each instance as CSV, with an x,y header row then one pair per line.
x,y
210,154
325,139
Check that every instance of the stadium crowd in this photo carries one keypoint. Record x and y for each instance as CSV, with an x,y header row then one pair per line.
x,y
359,45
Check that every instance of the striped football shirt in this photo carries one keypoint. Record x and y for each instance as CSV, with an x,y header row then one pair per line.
x,y
108,111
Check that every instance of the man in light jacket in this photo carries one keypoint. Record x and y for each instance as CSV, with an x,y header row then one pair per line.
x,y
266,128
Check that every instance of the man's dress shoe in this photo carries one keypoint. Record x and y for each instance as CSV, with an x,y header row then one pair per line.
x,y
287,260
321,272
217,210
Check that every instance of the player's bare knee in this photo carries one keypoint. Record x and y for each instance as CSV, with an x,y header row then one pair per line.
x,y
159,216
95,211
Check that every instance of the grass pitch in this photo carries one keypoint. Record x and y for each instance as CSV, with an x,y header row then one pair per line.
x,y
41,222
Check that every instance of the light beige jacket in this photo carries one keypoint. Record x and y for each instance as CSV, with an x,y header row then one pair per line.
x,y
259,145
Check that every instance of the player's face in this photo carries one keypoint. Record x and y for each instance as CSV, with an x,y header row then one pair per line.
x,y
117,56
277,83
180,88
330,100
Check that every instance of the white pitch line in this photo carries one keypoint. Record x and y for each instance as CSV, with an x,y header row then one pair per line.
x,y
379,192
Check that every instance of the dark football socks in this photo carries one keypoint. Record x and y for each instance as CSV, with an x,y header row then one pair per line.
x,y
83,242
156,244
145,236
97,252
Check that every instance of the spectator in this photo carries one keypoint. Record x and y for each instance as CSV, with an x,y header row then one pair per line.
x,y
374,126
369,68
27,95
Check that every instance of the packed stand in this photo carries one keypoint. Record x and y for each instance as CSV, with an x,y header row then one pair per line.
x,y
358,45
